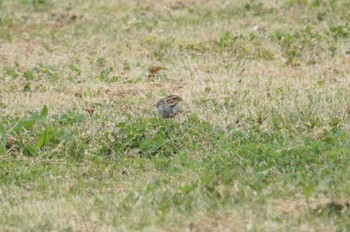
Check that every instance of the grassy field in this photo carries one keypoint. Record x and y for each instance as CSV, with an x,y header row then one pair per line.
x,y
262,142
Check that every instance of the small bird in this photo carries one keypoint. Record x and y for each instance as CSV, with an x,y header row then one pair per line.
x,y
168,107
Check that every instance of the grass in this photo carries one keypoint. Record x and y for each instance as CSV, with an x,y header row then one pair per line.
x,y
262,143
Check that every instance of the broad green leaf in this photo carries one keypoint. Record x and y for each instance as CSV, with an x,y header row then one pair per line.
x,y
27,124
41,141
30,150
71,118
2,149
23,125
42,116
3,134
3,139
44,137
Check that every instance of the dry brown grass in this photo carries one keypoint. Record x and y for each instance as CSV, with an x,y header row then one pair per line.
x,y
250,80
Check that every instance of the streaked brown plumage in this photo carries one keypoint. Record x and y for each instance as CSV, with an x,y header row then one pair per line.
x,y
168,107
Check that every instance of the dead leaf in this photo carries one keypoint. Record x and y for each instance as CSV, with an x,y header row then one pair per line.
x,y
79,95
90,111
10,143
332,208
348,109
154,70
261,120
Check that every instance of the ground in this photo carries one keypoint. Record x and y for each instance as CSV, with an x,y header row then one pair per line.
x,y
262,142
